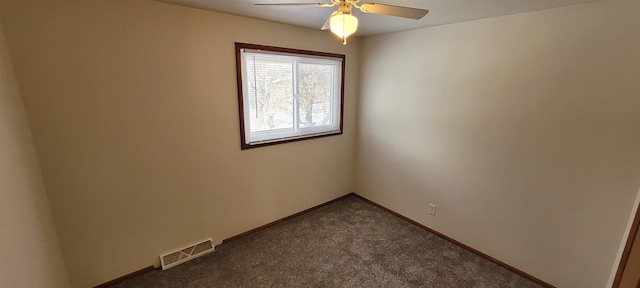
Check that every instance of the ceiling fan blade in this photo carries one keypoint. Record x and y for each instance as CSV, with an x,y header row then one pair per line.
x,y
296,4
398,11
327,25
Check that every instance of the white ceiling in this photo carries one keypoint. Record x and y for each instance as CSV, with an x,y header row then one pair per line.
x,y
440,11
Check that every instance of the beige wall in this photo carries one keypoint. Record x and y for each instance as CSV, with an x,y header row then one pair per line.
x,y
524,130
133,107
31,255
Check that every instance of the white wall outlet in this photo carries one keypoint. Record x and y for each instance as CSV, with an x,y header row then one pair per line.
x,y
432,209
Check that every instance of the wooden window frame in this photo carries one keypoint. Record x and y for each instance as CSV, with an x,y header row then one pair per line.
x,y
240,82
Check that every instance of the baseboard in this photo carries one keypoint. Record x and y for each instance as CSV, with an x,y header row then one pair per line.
x,y
481,254
125,277
236,237
147,269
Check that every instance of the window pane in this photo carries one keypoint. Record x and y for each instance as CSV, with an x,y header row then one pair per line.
x,y
270,88
315,90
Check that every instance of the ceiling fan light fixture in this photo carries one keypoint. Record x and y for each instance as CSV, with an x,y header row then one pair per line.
x,y
343,25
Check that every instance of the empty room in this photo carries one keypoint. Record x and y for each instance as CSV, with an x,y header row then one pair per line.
x,y
509,130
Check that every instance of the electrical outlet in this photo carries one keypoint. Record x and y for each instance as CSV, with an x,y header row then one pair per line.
x,y
432,209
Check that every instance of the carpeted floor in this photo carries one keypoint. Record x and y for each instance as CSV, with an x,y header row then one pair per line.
x,y
348,243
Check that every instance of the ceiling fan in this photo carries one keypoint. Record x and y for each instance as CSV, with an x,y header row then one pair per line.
x,y
343,23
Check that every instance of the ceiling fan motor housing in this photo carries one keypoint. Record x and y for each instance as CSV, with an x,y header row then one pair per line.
x,y
344,7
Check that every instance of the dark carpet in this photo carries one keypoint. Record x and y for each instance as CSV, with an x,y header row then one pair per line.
x,y
348,243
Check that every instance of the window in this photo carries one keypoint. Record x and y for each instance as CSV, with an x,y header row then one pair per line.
x,y
288,95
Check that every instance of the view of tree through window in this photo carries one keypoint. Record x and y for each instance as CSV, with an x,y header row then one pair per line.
x,y
270,90
287,94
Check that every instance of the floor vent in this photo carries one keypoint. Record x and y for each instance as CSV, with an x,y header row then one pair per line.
x,y
187,253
